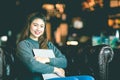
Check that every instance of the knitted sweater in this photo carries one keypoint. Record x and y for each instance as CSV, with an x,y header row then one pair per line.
x,y
29,66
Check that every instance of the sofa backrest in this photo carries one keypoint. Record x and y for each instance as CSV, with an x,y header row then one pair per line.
x,y
7,66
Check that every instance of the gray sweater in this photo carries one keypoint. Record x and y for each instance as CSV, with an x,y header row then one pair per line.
x,y
26,57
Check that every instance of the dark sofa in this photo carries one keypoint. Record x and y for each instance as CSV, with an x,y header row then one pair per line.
x,y
89,60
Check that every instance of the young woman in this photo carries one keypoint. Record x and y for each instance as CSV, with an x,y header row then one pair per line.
x,y
34,37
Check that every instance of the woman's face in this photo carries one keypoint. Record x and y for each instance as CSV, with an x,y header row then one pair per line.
x,y
37,28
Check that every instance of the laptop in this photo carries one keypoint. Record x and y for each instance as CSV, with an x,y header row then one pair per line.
x,y
44,53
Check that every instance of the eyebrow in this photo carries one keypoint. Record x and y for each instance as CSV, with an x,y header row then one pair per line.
x,y
38,24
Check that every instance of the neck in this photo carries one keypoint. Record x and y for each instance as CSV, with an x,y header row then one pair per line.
x,y
36,39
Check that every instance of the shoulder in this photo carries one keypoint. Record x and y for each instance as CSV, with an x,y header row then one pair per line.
x,y
50,43
24,43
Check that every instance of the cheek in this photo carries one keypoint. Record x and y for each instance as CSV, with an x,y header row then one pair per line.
x,y
43,29
32,28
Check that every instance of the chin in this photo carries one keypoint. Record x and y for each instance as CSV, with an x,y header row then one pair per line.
x,y
37,36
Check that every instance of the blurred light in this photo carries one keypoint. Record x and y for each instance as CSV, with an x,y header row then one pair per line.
x,y
116,21
72,42
110,22
117,34
64,16
4,38
9,33
54,9
60,7
64,29
17,3
58,35
114,3
78,24
48,6
74,34
83,39
90,4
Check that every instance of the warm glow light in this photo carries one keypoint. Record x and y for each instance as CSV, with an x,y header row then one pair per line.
x,y
60,7
110,22
48,31
90,4
48,6
72,42
58,35
114,3
64,29
54,9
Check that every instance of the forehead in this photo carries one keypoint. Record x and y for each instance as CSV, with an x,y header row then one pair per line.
x,y
38,21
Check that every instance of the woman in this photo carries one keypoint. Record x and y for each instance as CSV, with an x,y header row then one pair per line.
x,y
34,37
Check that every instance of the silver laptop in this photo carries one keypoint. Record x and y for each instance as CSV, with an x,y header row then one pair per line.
x,y
44,53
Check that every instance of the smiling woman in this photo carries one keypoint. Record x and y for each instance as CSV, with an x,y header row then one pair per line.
x,y
34,37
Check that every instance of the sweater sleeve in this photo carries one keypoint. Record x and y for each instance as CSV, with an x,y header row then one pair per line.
x,y
25,55
59,60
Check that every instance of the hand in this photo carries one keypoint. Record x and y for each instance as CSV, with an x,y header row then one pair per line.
x,y
59,71
42,60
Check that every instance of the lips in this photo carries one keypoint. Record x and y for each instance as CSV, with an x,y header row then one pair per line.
x,y
38,32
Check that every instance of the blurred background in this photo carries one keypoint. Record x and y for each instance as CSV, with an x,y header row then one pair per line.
x,y
71,26
69,22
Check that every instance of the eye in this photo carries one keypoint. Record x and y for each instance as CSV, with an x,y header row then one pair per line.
x,y
42,26
35,24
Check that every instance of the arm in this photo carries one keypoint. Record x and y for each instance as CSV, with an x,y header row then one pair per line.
x,y
60,60
25,55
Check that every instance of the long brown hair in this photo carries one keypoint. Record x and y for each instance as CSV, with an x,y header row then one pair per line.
x,y
26,31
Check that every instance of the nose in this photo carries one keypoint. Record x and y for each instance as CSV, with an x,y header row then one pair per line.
x,y
38,27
